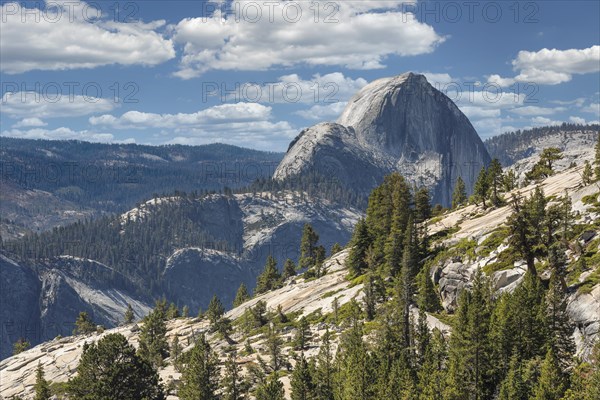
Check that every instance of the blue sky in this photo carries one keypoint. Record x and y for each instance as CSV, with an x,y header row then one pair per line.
x,y
255,73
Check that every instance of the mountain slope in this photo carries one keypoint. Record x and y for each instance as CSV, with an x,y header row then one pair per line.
x,y
395,124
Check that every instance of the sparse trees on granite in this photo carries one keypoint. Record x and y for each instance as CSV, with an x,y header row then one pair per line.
x,y
41,387
241,295
459,195
129,316
270,278
84,324
200,378
153,343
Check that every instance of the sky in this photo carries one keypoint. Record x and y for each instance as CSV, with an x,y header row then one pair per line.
x,y
255,73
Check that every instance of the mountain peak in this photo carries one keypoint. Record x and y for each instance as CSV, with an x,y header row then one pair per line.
x,y
400,123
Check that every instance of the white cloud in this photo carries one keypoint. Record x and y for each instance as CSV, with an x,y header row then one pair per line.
x,y
551,66
218,115
327,89
537,111
356,37
63,134
593,108
577,102
48,105
480,112
577,120
323,112
29,122
543,121
67,36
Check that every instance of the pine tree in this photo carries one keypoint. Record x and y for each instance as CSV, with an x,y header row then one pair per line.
x,y
513,387
153,343
543,168
41,387
215,311
431,376
495,176
459,196
241,295
84,324
272,389
200,377
302,381
427,299
289,269
551,384
172,312
370,298
480,191
274,344
359,246
270,278
587,176
235,387
560,328
511,180
175,352
308,244
422,205
185,312
303,334
111,369
336,248
324,374
20,346
129,316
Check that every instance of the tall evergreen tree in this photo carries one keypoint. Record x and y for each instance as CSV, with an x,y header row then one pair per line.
x,y
560,329
359,245
289,269
270,278
302,381
495,176
587,175
513,387
241,295
274,344
235,386
308,244
41,387
129,316
303,334
84,324
200,377
422,205
432,374
597,159
153,343
111,369
215,310
324,374
551,383
272,389
459,195
482,186
427,299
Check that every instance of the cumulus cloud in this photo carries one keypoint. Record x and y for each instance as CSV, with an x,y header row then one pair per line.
x,y
593,108
29,122
537,111
63,134
47,105
352,35
67,35
320,112
551,66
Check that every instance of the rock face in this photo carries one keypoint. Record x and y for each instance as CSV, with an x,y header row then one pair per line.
x,y
395,124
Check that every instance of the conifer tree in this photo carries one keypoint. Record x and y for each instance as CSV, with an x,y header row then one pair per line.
x,y
172,312
513,387
422,205
303,334
427,299
20,346
543,168
510,181
185,312
200,377
359,246
129,316
289,269
482,185
370,298
41,387
153,343
495,176
111,369
241,295
302,381
431,376
551,384
270,278
235,387
175,352
587,176
272,389
560,329
336,248
84,324
308,244
459,195
324,374
274,344
215,310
